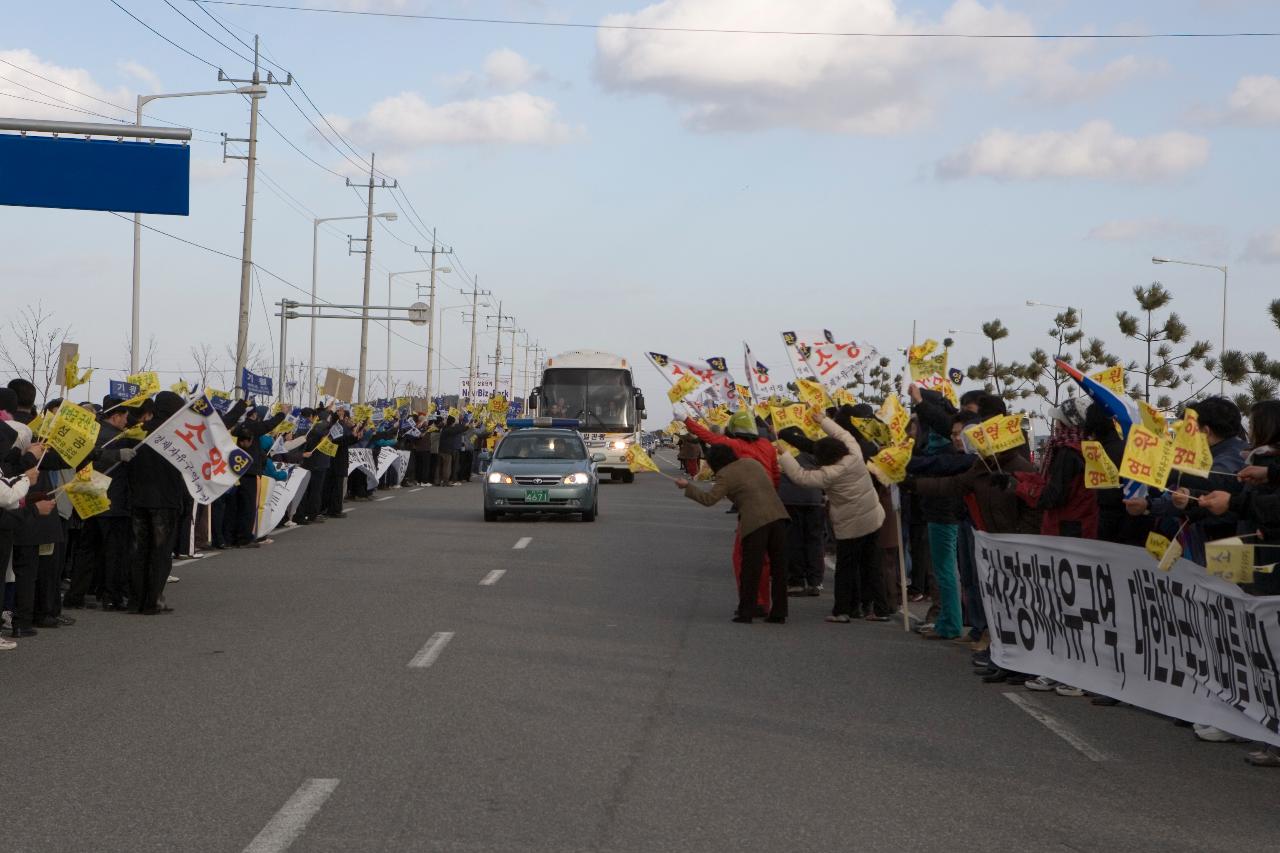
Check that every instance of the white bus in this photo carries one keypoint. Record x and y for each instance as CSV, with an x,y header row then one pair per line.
x,y
596,389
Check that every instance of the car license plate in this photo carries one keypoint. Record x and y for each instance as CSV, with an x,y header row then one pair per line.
x,y
537,496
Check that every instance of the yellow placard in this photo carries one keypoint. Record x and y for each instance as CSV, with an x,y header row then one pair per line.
x,y
88,504
362,413
403,402
1152,418
1148,458
1230,559
978,440
1191,447
453,412
844,397
1111,377
638,460
1157,546
791,415
148,383
390,413
327,447
498,404
718,415
763,411
930,371
812,393
1003,432
1099,471
893,415
73,433
890,464
683,387
744,395
873,430
72,377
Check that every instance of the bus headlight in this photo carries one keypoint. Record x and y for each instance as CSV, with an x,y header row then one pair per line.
x,y
619,445
500,479
576,479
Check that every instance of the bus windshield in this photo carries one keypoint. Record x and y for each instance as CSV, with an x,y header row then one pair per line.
x,y
602,399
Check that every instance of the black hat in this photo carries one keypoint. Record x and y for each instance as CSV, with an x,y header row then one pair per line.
x,y
110,402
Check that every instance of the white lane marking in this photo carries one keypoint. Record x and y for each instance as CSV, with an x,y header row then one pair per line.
x,y
288,823
204,555
420,488
428,653
493,577
1058,727
522,543
385,498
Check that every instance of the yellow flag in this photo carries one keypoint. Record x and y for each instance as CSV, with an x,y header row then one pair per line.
x,y
73,433
890,464
327,447
389,413
137,432
88,504
718,415
1152,418
1003,432
180,387
763,411
844,397
1191,451
930,371
638,460
1111,377
148,383
1158,546
1230,559
362,413
403,402
787,416
453,412
683,387
978,440
895,417
72,377
1148,457
36,425
873,430
812,393
744,394
1099,471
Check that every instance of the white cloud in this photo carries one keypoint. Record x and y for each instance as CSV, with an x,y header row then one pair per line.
x,y
1207,239
67,86
831,83
1254,102
1095,151
141,73
407,120
1264,247
506,69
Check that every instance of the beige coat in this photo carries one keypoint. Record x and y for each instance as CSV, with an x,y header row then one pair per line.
x,y
747,484
851,495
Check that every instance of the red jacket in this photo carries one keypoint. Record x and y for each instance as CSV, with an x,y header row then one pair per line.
x,y
762,451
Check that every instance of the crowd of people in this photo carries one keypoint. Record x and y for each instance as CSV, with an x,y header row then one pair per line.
x,y
121,559
797,504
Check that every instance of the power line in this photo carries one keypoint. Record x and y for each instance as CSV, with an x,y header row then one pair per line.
x,y
194,56
223,44
455,19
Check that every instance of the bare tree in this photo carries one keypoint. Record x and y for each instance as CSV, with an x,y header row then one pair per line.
x,y
206,362
30,349
147,357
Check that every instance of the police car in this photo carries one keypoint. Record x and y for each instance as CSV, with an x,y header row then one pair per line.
x,y
542,466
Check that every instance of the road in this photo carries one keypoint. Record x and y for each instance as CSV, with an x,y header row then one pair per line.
x,y
582,692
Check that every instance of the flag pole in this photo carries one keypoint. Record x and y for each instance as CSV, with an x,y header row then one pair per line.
x,y
896,500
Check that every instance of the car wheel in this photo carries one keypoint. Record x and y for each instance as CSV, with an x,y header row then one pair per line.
x,y
590,515
628,477
490,515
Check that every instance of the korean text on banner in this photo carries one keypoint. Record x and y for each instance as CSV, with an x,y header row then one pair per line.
x,y
147,384
763,384
327,447
1148,457
838,365
683,387
890,464
1104,618
1111,377
1099,471
1191,451
812,393
280,493
1004,432
895,416
930,371
255,385
196,443
72,433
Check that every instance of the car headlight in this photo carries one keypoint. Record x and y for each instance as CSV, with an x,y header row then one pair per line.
x,y
576,479
497,478
619,445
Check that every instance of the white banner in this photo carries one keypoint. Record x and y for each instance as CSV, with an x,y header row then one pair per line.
x,y
798,346
675,369
764,384
386,458
401,462
199,446
1104,618
837,366
362,460
280,497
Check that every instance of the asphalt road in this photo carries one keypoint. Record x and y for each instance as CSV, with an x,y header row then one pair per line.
x,y
591,695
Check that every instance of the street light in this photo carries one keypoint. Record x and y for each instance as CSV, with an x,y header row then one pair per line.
x,y
962,332
431,322
315,237
1222,379
439,382
136,320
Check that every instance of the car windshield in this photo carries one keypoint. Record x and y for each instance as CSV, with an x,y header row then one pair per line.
x,y
602,399
518,446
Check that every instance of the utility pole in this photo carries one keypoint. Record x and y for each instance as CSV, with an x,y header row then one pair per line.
x,y
511,387
246,252
475,295
431,332
374,183
525,373
497,351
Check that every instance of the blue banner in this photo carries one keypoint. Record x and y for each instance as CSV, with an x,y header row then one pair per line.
x,y
123,390
95,174
255,385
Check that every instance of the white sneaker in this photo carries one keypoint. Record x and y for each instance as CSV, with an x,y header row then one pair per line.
x,y
7,644
174,579
1214,735
1041,684
290,524
6,619
1068,690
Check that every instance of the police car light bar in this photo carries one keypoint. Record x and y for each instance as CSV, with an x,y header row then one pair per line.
x,y
544,423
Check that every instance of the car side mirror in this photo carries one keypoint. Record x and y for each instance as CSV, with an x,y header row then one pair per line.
x,y
597,457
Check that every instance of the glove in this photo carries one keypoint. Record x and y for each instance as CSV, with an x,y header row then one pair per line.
x,y
681,411
127,453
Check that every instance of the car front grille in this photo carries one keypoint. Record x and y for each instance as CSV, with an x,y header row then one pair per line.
x,y
538,479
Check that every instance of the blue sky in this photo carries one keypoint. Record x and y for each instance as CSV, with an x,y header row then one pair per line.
x,y
632,191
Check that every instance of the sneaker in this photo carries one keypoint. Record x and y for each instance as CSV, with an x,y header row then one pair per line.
x,y
924,627
6,620
843,619
290,524
1215,735
173,579
1269,757
7,645
814,590
981,659
1068,690
1041,684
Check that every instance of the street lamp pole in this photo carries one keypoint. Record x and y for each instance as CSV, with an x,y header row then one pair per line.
x,y
135,326
1222,379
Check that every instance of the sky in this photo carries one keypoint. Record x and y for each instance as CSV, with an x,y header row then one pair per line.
x,y
634,190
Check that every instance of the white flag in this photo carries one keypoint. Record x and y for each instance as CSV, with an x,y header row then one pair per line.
x,y
764,384
838,365
798,345
196,443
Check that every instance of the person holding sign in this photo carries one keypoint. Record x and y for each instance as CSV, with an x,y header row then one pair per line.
x,y
762,526
855,510
1058,489
156,494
